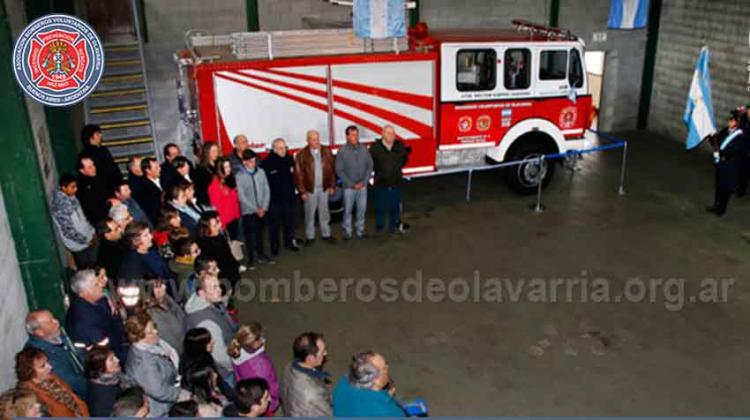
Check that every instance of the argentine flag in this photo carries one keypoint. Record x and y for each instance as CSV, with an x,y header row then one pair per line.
x,y
377,19
628,14
699,112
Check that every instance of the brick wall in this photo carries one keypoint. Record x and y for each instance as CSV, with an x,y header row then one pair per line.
x,y
686,25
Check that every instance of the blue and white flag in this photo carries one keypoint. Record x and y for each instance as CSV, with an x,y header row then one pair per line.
x,y
379,18
628,14
699,112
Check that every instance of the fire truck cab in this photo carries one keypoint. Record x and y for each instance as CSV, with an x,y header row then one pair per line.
x,y
458,99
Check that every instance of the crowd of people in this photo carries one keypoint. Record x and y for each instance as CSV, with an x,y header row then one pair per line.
x,y
151,328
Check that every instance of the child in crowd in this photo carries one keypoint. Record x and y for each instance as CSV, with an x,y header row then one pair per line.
x,y
250,360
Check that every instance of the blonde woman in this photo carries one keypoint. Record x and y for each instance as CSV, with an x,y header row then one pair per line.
x,y
250,360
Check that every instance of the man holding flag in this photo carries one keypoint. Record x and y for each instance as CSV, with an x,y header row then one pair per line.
x,y
728,152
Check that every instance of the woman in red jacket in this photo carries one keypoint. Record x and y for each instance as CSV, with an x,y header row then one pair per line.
x,y
223,195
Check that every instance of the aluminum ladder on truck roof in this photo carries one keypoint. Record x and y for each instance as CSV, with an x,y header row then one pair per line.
x,y
278,44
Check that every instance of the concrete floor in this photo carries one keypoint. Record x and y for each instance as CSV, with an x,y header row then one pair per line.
x,y
598,359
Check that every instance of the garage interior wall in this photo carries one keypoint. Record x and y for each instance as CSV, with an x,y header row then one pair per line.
x,y
623,62
12,302
166,26
686,25
275,15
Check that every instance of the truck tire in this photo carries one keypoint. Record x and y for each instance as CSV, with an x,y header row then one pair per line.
x,y
523,178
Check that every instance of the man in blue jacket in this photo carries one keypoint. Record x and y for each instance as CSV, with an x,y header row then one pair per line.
x,y
92,317
67,360
367,391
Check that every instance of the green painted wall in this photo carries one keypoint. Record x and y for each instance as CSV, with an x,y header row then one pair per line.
x,y
24,191
59,120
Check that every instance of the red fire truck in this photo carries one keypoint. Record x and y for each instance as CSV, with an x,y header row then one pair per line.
x,y
460,99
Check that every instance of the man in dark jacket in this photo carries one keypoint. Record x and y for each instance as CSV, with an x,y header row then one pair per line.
x,y
67,361
92,191
168,172
111,247
389,156
124,194
142,260
279,167
744,163
728,150
91,137
149,194
92,317
235,158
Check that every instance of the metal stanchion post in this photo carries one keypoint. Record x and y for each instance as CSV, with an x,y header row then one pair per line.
x,y
468,187
539,207
621,190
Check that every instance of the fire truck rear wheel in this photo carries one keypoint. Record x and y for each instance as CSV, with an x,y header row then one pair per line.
x,y
524,178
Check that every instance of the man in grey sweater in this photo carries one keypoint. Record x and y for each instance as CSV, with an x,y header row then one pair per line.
x,y
255,196
354,166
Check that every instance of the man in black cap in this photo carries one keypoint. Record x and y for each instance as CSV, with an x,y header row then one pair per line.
x,y
728,152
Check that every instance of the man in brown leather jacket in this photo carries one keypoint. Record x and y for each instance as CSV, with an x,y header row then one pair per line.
x,y
315,176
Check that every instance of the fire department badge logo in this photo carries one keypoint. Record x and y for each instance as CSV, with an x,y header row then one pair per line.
x,y
568,117
484,122
58,60
464,124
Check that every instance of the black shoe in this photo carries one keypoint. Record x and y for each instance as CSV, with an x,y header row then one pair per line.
x,y
274,254
264,259
347,237
293,248
309,242
329,239
362,237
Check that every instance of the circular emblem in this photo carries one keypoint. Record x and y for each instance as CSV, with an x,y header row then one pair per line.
x,y
58,60
568,117
484,122
464,124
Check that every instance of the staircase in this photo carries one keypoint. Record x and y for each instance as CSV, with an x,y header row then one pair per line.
x,y
120,104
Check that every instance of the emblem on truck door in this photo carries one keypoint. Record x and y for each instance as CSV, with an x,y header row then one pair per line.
x,y
464,124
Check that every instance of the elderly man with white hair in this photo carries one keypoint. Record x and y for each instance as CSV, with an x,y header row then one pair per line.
x,y
389,156
92,317
235,158
315,177
279,167
367,391
67,361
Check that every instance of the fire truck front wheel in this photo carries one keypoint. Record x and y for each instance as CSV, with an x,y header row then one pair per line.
x,y
524,178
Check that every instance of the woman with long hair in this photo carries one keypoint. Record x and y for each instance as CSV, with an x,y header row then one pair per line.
x,y
210,152
213,243
201,379
223,195
197,348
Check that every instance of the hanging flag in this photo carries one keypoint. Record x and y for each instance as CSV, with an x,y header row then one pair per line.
x,y
699,112
628,14
377,19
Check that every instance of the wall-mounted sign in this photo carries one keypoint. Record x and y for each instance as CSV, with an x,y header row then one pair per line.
x,y
58,60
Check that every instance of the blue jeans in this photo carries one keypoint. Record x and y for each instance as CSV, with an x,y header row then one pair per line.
x,y
387,199
354,199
